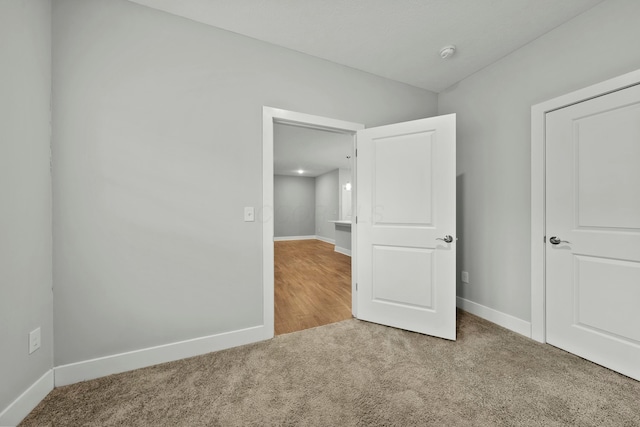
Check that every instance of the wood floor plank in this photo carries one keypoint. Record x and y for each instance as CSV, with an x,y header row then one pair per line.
x,y
312,285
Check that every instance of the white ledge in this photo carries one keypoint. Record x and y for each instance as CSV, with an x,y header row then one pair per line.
x,y
342,222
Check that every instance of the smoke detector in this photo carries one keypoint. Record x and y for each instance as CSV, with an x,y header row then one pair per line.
x,y
447,51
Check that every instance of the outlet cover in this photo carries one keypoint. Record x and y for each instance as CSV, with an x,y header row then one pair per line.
x,y
464,276
34,340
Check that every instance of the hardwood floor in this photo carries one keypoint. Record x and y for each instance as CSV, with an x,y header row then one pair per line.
x,y
312,285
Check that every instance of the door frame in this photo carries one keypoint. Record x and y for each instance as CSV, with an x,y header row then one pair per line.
x,y
538,176
270,116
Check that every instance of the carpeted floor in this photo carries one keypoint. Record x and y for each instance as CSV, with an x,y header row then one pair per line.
x,y
354,373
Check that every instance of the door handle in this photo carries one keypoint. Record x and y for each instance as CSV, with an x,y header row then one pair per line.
x,y
556,240
447,239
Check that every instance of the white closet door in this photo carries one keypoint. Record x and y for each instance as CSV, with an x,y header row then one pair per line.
x,y
593,230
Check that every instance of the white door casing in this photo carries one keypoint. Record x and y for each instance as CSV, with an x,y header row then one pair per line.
x,y
265,215
593,207
538,172
406,202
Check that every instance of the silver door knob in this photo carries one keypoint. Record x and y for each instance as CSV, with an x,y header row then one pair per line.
x,y
447,239
556,240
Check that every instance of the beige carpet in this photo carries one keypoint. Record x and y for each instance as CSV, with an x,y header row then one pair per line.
x,y
355,373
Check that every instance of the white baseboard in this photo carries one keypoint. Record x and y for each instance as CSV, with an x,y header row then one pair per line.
x,y
20,408
103,366
325,239
285,238
343,250
499,318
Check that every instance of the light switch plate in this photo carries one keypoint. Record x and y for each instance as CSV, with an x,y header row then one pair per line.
x,y
34,340
249,214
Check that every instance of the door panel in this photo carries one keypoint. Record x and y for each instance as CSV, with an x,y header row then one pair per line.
x,y
403,276
606,144
593,206
402,167
406,201
594,302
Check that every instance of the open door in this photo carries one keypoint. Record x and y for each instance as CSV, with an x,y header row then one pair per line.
x,y
406,225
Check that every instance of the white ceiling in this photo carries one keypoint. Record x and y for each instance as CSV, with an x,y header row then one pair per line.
x,y
396,39
314,151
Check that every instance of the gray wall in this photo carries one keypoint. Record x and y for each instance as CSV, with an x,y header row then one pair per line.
x,y
152,116
25,194
294,206
327,203
494,125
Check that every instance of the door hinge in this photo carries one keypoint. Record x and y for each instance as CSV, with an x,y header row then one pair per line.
x,y
356,286
356,220
356,152
544,239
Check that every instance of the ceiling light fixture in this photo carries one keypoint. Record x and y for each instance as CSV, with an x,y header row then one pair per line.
x,y
447,51
300,171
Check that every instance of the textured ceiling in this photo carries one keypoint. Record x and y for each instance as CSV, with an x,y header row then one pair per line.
x,y
396,39
314,151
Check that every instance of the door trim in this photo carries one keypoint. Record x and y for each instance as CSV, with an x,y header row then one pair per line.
x,y
538,208
269,117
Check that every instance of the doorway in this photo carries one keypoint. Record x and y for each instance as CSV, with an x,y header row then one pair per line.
x,y
271,117
585,229
312,227
413,283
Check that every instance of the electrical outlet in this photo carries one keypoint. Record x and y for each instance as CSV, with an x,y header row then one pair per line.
x,y
34,340
464,276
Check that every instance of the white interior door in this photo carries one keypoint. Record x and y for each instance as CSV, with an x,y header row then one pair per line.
x,y
406,219
593,230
